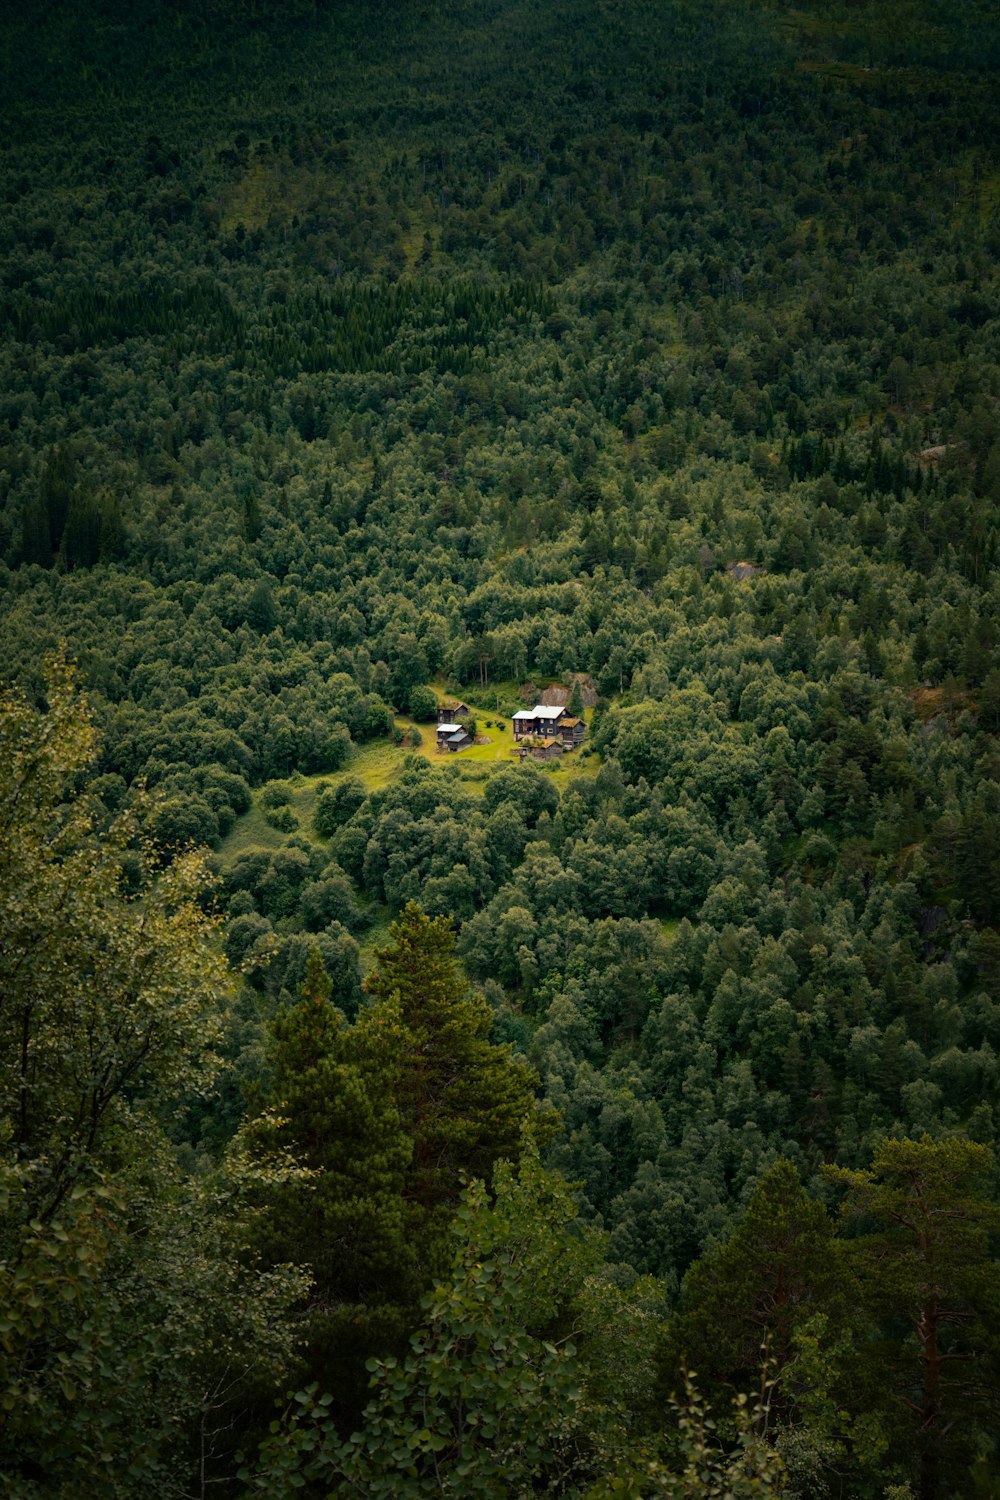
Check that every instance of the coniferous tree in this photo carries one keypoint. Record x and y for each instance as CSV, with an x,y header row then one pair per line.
x,y
923,1254
327,1130
463,1100
760,1300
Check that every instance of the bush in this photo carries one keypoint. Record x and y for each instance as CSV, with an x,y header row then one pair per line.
x,y
181,822
337,806
275,794
281,818
423,704
329,899
111,789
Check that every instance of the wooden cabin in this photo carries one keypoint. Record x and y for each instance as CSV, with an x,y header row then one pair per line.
x,y
540,747
572,731
452,737
450,709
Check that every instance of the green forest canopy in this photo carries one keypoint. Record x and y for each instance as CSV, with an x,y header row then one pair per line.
x,y
355,357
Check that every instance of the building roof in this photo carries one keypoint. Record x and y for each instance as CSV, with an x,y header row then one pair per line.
x,y
569,722
540,711
450,729
460,735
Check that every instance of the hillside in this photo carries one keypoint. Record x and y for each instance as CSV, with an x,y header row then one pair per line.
x,y
359,356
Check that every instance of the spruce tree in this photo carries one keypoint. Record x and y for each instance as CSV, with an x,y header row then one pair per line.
x,y
330,1148
749,1300
924,1257
462,1099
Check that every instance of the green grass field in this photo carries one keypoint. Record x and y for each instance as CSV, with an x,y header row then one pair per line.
x,y
499,746
375,936
377,765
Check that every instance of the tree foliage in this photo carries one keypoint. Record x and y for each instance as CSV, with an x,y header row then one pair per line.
x,y
348,362
924,1253
132,1340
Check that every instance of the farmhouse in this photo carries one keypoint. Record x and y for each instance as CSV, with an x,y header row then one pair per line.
x,y
540,720
452,737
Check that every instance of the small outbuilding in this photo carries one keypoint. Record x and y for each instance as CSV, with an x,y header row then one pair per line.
x,y
452,737
572,731
450,709
541,747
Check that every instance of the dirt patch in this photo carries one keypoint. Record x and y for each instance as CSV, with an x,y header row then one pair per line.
x,y
932,703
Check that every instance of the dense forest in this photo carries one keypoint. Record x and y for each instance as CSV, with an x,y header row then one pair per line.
x,y
378,1122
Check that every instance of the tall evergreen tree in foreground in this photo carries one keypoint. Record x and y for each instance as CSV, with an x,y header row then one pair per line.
x,y
924,1225
747,1301
780,1296
366,1135
463,1100
327,1143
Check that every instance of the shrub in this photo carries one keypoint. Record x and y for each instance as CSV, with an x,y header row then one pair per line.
x,y
281,818
423,704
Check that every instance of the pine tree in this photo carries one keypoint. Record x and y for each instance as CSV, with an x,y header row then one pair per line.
x,y
463,1100
328,1143
924,1258
748,1300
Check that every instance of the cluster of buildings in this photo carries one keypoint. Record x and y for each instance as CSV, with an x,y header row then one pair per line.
x,y
542,732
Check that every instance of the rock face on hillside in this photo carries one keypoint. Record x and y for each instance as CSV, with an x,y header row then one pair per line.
x,y
558,697
742,571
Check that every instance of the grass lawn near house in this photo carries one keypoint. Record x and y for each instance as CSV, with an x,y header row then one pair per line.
x,y
475,763
376,765
501,742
